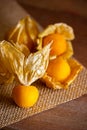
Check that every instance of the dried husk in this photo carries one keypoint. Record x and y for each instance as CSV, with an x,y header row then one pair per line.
x,y
25,69
75,70
67,31
24,35
60,28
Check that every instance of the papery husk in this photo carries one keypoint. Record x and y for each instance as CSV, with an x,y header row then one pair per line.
x,y
60,28
24,35
75,70
25,69
5,76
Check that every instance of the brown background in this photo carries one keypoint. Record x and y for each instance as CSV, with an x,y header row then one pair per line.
x,y
72,12
71,115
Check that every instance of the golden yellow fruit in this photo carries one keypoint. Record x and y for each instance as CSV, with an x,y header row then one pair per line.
x,y
25,96
59,44
58,69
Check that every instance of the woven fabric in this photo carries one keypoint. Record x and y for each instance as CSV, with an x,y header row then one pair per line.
x,y
10,113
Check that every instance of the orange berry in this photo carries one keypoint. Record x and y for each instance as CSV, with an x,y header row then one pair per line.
x,y
25,96
59,45
59,69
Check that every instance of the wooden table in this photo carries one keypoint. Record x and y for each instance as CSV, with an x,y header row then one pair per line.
x,y
71,115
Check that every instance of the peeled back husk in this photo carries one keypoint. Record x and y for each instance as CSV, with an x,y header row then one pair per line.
x,y
75,70
60,28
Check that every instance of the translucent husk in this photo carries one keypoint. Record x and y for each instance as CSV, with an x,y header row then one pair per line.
x,y
24,35
25,69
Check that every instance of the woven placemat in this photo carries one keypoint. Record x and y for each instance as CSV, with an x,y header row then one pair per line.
x,y
10,113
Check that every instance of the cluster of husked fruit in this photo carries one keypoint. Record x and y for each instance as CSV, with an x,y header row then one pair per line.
x,y
38,54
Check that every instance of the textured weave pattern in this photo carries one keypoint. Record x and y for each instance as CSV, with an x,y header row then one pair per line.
x,y
10,113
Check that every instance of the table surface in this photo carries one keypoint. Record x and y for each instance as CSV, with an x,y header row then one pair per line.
x,y
71,115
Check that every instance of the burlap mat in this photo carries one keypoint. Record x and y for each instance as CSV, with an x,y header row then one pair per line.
x,y
9,112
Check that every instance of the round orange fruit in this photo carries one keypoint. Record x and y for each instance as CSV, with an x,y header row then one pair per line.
x,y
25,96
59,44
58,69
